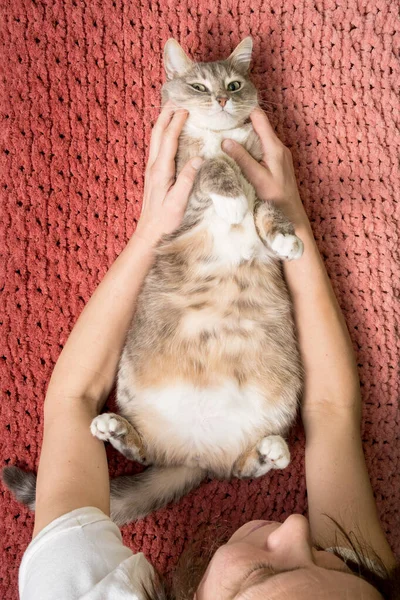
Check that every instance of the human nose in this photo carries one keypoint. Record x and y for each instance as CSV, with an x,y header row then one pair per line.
x,y
222,100
292,540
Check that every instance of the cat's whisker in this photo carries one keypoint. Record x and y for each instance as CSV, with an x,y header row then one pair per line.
x,y
270,102
267,106
252,105
150,107
265,109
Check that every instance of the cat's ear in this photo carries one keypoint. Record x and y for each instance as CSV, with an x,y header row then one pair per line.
x,y
176,62
241,56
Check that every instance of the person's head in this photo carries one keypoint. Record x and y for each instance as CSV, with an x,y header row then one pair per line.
x,y
267,560
218,95
277,560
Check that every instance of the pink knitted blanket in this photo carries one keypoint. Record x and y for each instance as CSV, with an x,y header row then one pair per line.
x,y
80,89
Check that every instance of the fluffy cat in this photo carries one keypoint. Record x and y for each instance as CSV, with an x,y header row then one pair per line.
x,y
210,375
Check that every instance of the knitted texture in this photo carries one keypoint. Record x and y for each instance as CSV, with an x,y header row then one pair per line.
x,y
80,92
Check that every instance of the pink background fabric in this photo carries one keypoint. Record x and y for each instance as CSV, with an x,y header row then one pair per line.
x,y
80,89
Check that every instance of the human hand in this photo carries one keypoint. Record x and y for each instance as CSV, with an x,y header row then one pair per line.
x,y
165,200
273,177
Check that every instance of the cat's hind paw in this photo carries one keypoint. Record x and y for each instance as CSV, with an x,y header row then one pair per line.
x,y
107,426
113,428
271,452
274,451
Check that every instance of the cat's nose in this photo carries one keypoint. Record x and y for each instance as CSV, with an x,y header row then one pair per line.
x,y
222,100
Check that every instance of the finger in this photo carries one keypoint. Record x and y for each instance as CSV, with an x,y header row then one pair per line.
x,y
179,194
269,140
158,130
251,169
169,141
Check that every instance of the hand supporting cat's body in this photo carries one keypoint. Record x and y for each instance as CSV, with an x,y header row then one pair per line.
x,y
210,374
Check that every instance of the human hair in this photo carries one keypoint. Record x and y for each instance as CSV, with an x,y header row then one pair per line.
x,y
185,579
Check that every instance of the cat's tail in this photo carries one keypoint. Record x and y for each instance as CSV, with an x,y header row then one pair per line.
x,y
132,496
21,484
135,496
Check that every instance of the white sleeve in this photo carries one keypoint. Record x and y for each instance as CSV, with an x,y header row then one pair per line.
x,y
81,556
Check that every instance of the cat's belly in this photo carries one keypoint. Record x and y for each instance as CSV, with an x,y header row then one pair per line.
x,y
206,427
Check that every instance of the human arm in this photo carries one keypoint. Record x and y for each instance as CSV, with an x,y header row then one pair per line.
x,y
73,468
336,474
337,479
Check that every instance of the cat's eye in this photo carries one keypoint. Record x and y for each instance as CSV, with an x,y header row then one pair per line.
x,y
233,86
199,87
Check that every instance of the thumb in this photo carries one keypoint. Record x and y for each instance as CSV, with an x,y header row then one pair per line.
x,y
179,193
251,169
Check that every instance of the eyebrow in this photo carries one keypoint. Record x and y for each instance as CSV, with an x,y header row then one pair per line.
x,y
262,574
266,573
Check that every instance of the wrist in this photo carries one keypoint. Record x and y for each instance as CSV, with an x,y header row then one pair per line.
x,y
292,207
143,240
302,229
139,253
298,215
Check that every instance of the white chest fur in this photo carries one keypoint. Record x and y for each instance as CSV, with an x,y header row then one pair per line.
x,y
212,139
231,245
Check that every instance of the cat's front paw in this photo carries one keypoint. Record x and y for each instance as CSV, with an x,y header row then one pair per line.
x,y
287,246
107,426
231,210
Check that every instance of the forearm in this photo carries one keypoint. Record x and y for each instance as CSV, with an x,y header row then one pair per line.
x,y
87,365
338,485
73,470
331,375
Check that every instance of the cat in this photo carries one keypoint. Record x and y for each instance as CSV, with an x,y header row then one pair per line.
x,y
210,375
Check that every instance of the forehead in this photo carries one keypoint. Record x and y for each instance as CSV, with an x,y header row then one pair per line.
x,y
213,72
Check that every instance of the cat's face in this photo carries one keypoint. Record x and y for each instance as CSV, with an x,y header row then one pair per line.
x,y
218,95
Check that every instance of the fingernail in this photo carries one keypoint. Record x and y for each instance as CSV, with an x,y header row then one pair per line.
x,y
197,162
227,145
